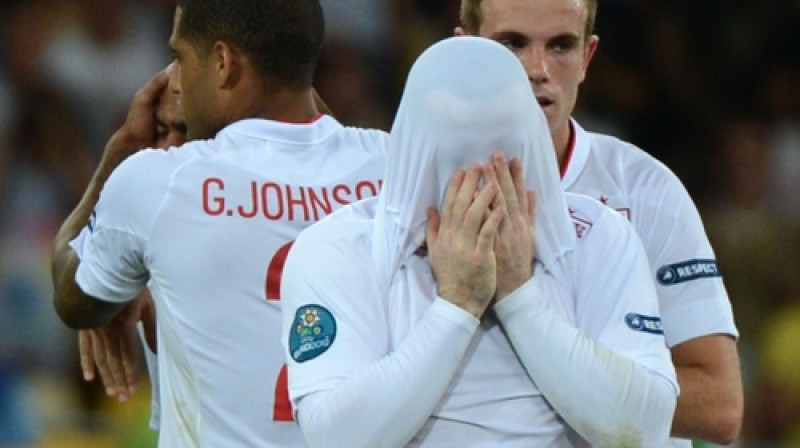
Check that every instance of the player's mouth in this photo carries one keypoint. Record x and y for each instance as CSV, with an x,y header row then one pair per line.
x,y
545,103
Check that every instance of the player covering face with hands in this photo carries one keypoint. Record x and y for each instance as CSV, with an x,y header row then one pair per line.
x,y
511,322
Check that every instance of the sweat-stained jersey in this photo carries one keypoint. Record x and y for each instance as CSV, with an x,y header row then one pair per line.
x,y
207,227
691,294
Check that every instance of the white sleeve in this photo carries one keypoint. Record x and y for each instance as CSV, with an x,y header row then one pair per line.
x,y
112,246
348,387
693,298
608,374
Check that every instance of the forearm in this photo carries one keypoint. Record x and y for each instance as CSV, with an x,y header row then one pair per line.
x,y
607,398
710,406
370,408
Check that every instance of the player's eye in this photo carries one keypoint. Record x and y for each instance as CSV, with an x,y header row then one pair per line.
x,y
564,44
513,44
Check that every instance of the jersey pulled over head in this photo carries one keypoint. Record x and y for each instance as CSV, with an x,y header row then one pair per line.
x,y
465,98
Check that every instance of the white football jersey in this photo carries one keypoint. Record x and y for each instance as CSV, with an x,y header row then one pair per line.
x,y
377,358
691,294
207,227
355,323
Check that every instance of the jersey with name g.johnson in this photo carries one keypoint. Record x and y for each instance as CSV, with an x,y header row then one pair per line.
x,y
209,224
691,294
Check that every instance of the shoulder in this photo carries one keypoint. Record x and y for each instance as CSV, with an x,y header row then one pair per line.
x,y
372,140
606,239
345,236
149,171
637,170
156,158
588,214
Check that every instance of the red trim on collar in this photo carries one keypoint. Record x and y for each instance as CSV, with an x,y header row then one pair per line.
x,y
570,150
309,121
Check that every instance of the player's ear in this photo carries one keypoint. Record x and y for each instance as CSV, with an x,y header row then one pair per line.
x,y
228,60
459,31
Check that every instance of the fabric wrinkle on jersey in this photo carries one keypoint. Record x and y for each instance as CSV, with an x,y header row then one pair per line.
x,y
204,232
402,207
652,198
376,239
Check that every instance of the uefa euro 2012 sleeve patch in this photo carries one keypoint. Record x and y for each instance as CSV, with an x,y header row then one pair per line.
x,y
313,332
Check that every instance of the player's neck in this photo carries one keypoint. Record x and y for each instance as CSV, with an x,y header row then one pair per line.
x,y
284,105
564,140
290,106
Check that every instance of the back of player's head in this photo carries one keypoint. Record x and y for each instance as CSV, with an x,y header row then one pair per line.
x,y
283,38
472,15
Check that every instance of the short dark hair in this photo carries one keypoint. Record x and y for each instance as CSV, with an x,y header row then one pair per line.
x,y
283,38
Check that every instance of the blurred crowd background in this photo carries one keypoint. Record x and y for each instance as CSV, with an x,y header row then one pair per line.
x,y
712,89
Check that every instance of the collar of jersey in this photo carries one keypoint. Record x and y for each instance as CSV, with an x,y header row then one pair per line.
x,y
313,132
580,154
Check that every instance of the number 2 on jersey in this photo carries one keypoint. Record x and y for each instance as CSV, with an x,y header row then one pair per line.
x,y
282,411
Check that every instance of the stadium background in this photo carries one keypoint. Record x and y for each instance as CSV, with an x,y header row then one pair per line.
x,y
712,89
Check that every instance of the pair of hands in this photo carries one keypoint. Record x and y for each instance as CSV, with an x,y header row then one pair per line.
x,y
113,350
482,243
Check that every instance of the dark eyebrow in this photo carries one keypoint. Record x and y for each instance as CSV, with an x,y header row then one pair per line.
x,y
566,37
502,35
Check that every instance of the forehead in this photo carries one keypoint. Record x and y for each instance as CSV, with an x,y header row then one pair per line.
x,y
535,18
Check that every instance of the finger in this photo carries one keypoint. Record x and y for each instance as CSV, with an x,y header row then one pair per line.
x,y
506,182
86,355
490,174
489,229
115,369
476,214
465,196
531,205
130,361
518,177
99,351
150,93
432,228
450,195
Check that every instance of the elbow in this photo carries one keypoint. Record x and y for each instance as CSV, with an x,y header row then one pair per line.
x,y
79,311
67,314
728,424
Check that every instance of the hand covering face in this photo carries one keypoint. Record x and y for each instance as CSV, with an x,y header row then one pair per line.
x,y
450,118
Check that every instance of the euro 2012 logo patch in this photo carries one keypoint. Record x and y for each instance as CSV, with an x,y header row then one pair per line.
x,y
313,332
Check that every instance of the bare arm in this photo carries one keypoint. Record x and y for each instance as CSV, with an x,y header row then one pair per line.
x,y
711,404
75,308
